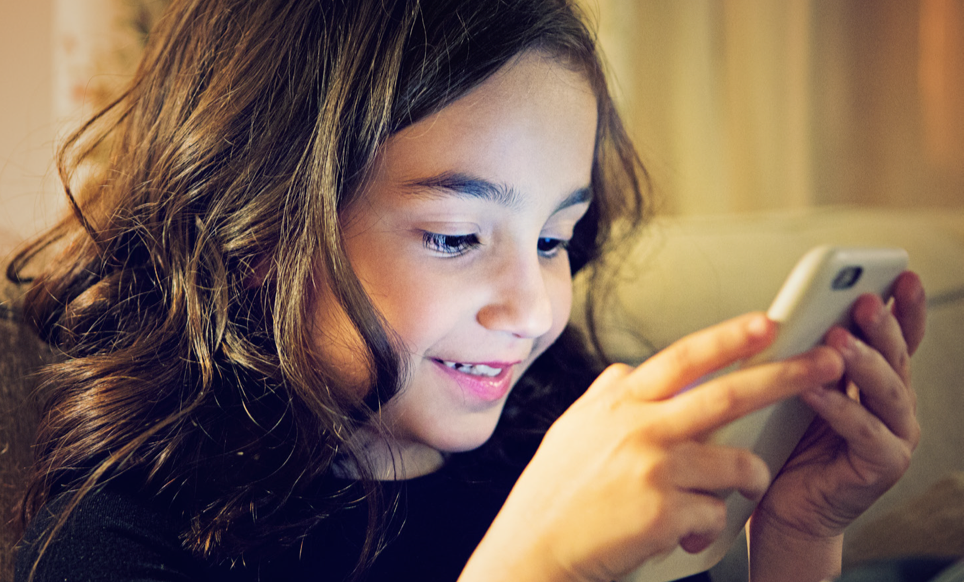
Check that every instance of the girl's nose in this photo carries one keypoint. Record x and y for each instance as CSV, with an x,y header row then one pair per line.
x,y
520,304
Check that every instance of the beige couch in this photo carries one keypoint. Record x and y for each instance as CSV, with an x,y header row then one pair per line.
x,y
21,352
687,273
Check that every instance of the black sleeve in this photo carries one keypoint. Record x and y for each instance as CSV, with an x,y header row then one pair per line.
x,y
113,534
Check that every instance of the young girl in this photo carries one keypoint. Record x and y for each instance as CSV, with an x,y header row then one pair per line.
x,y
314,312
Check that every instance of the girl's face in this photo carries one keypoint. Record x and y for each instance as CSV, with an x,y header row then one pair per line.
x,y
459,242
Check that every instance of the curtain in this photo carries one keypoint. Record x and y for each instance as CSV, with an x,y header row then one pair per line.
x,y
741,105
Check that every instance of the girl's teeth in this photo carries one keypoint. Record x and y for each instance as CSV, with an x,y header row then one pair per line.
x,y
474,370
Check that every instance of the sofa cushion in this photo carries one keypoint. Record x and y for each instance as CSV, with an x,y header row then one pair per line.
x,y
21,354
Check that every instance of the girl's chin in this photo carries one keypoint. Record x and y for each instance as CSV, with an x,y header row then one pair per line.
x,y
396,461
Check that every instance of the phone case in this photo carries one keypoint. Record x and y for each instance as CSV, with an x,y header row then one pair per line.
x,y
817,295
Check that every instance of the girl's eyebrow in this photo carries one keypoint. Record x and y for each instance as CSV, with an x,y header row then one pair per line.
x,y
464,185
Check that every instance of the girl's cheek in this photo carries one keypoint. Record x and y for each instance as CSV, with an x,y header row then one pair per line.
x,y
561,296
341,347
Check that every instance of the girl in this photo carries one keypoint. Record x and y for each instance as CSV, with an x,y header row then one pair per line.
x,y
314,311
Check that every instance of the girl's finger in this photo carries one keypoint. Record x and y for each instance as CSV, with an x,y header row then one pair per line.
x,y
699,354
882,331
713,469
882,390
879,452
716,403
909,307
696,519
707,526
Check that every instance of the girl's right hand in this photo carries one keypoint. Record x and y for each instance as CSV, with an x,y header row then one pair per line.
x,y
625,474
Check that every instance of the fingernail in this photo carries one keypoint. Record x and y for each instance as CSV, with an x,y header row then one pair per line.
x,y
758,326
848,345
877,314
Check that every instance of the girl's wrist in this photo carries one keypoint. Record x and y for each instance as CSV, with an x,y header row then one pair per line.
x,y
777,551
496,559
512,550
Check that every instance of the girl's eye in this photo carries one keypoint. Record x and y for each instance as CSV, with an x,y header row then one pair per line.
x,y
549,247
455,245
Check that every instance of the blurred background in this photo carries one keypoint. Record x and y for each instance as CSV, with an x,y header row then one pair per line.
x,y
740,108
736,105
766,104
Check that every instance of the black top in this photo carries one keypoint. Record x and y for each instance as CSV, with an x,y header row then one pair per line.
x,y
118,534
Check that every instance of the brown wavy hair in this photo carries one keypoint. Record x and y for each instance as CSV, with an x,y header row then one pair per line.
x,y
181,295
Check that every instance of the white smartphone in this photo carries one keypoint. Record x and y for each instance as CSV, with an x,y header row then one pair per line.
x,y
818,294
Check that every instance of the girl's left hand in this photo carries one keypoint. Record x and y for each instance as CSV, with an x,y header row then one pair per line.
x,y
865,433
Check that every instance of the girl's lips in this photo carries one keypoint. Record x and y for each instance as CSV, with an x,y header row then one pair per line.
x,y
482,388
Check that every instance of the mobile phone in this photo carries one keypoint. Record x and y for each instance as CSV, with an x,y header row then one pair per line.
x,y
817,295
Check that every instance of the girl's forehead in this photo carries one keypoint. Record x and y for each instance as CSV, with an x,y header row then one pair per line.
x,y
530,78
532,95
527,134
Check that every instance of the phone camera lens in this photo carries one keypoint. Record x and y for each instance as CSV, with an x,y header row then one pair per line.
x,y
846,278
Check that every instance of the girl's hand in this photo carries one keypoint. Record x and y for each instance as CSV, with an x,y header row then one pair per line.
x,y
625,474
858,447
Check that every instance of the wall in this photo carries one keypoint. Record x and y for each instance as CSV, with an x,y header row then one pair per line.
x,y
60,60
27,129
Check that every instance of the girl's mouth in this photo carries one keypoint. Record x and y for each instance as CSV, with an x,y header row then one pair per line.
x,y
473,369
484,382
